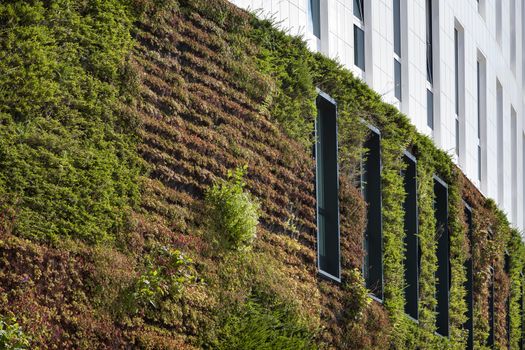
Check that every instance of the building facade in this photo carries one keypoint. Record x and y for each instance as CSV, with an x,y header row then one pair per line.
x,y
455,68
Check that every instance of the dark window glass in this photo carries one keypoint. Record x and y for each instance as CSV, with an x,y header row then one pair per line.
x,y
469,324
479,98
430,109
411,241
397,27
443,272
522,315
397,78
359,47
456,69
373,240
359,10
457,136
479,162
430,63
327,189
315,8
490,340
507,302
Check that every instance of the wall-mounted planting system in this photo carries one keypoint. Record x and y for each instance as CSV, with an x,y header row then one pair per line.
x,y
411,224
443,268
328,247
371,189
469,325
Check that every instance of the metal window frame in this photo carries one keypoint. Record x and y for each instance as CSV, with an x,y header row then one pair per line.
x,y
470,338
445,185
412,158
322,273
376,130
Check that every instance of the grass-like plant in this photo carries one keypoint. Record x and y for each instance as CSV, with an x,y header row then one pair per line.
x,y
233,213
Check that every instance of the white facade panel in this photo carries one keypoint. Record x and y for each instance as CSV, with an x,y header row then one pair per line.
x,y
503,61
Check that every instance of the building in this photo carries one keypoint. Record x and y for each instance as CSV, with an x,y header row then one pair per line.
x,y
455,68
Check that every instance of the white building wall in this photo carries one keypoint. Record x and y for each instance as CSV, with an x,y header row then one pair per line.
x,y
480,36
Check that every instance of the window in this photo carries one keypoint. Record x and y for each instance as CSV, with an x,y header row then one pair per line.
x,y
371,189
469,324
397,27
359,34
507,301
481,7
430,109
459,69
498,21
457,136
429,35
514,161
411,262
490,340
482,120
327,189
397,49
456,69
512,14
522,314
359,10
397,79
314,8
442,273
359,47
499,111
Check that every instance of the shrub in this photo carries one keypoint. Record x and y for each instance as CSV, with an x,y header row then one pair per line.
x,y
163,277
11,335
233,213
262,325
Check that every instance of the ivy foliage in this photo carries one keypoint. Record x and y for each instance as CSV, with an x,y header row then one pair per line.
x,y
68,164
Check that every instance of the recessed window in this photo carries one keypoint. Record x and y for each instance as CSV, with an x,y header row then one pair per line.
x,y
498,21
456,70
457,136
397,27
507,301
327,189
359,10
499,114
359,47
512,15
514,161
522,314
482,120
397,79
443,272
469,324
490,340
371,189
429,42
411,262
314,8
430,109
459,82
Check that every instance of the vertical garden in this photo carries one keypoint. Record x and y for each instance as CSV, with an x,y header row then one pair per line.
x,y
157,191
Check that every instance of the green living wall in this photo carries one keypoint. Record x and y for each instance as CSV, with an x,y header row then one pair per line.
x,y
120,226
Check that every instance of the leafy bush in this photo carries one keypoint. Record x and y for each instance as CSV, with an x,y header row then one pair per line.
x,y
262,325
11,335
233,213
68,162
165,277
